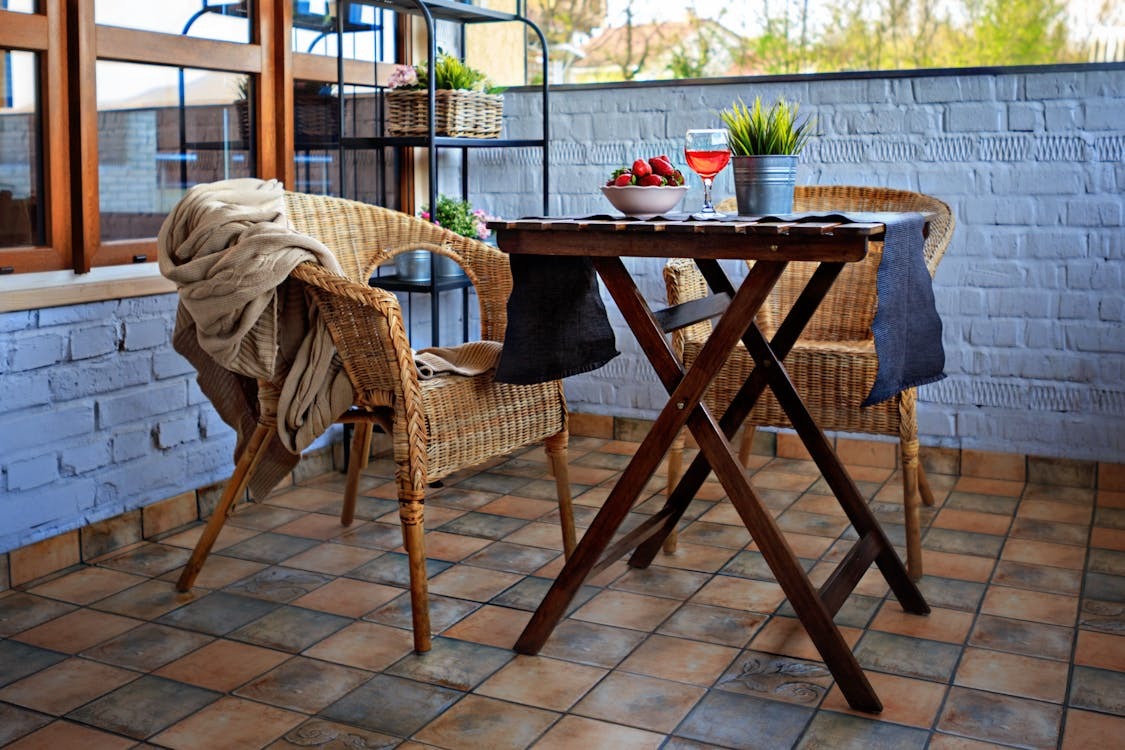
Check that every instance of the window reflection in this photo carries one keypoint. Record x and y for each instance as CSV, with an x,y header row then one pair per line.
x,y
21,220
368,32
160,131
18,6
225,20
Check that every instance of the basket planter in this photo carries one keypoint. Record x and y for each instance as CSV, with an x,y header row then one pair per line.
x,y
460,114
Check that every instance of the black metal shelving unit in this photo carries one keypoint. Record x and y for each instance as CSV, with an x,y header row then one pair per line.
x,y
464,13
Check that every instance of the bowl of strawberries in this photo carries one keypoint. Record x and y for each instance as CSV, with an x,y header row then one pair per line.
x,y
647,188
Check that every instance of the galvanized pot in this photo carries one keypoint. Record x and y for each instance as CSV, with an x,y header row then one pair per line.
x,y
413,265
764,184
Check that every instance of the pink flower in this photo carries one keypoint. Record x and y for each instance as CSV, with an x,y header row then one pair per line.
x,y
403,75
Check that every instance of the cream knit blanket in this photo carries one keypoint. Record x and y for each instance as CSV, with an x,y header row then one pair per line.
x,y
229,249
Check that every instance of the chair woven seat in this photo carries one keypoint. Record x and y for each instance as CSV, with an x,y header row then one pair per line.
x,y
833,364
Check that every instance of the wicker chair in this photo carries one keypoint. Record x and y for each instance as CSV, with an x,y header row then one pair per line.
x,y
438,425
833,364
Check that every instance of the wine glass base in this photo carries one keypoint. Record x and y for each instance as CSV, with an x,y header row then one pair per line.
x,y
708,216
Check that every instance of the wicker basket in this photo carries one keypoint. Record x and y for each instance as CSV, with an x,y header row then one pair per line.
x,y
460,114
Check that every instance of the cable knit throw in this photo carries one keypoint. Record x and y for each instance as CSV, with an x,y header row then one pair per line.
x,y
229,249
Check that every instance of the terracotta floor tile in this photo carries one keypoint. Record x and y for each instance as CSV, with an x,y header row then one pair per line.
x,y
1104,650
534,534
1038,577
230,723
65,734
348,597
948,742
740,593
219,571
491,625
1108,538
590,643
313,526
626,610
519,507
222,665
695,557
366,645
953,565
729,718
1110,499
305,685
788,637
147,647
1046,510
1013,674
332,736
143,707
479,722
1086,730
680,660
78,630
1044,553
87,585
779,480
468,582
65,686
20,611
967,520
949,625
539,681
640,701
1055,609
993,717
905,701
576,731
332,558
1022,637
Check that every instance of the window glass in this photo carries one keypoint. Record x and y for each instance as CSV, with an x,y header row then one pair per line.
x,y
19,6
160,131
225,20
368,32
21,221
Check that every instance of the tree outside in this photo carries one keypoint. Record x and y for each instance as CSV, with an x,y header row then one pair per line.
x,y
649,39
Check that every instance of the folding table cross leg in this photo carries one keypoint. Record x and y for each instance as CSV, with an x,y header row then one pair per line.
x,y
815,609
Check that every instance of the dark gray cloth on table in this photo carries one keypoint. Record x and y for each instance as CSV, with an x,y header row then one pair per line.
x,y
906,328
557,323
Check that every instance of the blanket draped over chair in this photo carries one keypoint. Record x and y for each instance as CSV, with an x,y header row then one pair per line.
x,y
229,249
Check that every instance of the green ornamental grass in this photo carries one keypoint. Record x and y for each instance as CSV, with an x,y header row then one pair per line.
x,y
757,131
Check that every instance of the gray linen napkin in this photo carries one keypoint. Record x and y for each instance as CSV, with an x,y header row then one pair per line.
x,y
906,328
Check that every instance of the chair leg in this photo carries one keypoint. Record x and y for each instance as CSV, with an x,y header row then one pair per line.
x,y
675,471
908,446
236,485
361,450
924,486
412,515
746,444
556,446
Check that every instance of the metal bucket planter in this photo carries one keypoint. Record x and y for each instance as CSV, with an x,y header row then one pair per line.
x,y
413,265
447,268
764,184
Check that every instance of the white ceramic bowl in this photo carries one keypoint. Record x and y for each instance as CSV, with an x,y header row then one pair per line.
x,y
644,202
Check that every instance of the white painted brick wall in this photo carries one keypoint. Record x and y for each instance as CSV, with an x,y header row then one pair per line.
x,y
1031,288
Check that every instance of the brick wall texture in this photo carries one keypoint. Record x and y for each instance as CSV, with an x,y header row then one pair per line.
x,y
100,416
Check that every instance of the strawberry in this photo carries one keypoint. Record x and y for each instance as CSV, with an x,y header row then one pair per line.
x,y
651,180
623,179
641,168
676,178
661,166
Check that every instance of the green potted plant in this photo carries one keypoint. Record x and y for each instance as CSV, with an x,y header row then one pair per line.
x,y
467,105
764,145
457,216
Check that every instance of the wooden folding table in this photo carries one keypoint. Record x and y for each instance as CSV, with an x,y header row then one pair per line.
x,y
772,246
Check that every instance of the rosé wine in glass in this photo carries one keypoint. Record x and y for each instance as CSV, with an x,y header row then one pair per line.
x,y
707,152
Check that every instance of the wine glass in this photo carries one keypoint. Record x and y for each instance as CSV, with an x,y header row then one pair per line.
x,y
707,153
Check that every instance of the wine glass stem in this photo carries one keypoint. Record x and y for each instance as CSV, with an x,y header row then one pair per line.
x,y
707,207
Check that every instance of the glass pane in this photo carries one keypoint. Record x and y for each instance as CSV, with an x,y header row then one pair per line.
x,y
225,20
21,213
368,32
160,131
19,6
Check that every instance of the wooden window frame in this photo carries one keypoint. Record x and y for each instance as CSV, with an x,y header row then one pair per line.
x,y
68,44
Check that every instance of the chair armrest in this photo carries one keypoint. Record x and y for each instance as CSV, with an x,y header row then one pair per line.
x,y
367,328
684,283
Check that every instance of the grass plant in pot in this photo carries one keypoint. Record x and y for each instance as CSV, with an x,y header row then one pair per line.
x,y
764,146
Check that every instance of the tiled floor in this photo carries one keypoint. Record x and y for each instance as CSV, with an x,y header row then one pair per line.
x,y
296,635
